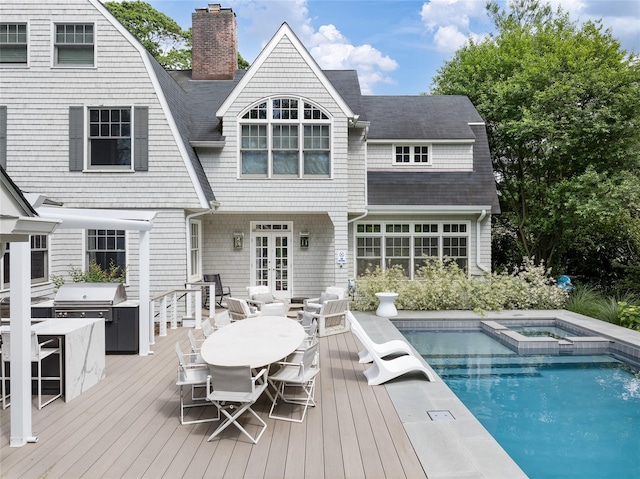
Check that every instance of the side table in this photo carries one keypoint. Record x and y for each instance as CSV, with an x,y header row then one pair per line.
x,y
387,308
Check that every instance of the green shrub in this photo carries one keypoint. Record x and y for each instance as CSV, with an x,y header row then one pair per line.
x,y
95,274
629,315
444,286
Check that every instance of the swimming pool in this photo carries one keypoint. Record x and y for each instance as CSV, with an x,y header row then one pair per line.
x,y
575,416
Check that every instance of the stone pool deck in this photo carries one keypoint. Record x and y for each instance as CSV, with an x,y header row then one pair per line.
x,y
449,440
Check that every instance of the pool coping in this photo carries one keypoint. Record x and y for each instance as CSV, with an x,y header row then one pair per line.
x,y
450,442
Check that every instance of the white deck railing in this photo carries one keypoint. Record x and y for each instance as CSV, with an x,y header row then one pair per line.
x,y
167,307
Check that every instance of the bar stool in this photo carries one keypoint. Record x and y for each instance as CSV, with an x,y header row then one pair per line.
x,y
38,353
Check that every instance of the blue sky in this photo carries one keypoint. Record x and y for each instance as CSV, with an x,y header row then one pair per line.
x,y
397,46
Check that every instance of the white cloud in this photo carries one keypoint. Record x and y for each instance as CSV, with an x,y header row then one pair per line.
x,y
326,43
450,22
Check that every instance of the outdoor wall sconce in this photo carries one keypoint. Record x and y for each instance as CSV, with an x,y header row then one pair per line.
x,y
238,239
304,239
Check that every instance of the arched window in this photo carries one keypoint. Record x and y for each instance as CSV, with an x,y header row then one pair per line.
x,y
285,137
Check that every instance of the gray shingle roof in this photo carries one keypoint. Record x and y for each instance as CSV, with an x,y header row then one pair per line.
x,y
390,117
178,101
420,117
475,187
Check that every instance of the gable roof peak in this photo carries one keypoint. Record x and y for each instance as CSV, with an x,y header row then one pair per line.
x,y
284,31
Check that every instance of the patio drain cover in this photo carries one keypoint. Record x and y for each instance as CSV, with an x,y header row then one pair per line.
x,y
440,415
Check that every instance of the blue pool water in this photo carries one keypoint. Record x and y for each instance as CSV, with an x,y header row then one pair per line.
x,y
556,416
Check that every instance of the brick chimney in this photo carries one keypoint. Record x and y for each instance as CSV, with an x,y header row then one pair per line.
x,y
214,54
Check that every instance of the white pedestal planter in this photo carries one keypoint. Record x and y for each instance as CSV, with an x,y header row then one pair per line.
x,y
387,309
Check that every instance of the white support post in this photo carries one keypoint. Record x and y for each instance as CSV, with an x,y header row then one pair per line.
x,y
174,311
198,308
146,322
152,315
20,331
212,300
188,303
162,325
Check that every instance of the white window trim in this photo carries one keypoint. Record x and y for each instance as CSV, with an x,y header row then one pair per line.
x,y
28,62
87,168
412,234
54,64
85,250
301,122
195,275
412,163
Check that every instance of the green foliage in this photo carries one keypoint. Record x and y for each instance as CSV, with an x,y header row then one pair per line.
x,y
560,104
444,286
158,33
629,316
94,274
590,301
169,44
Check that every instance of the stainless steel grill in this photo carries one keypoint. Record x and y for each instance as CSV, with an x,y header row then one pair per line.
x,y
88,300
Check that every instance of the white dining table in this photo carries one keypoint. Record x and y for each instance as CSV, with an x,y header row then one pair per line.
x,y
256,342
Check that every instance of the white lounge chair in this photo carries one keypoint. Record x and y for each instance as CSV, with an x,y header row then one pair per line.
x,y
383,370
233,390
394,346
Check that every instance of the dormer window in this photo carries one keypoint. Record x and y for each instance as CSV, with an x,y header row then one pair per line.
x,y
411,155
285,137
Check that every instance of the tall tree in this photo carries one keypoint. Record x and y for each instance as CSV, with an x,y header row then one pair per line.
x,y
560,102
159,34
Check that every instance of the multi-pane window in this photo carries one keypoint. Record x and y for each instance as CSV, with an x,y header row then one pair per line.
x,y
39,259
110,138
39,262
74,44
195,248
455,242
411,154
410,245
13,43
285,137
107,248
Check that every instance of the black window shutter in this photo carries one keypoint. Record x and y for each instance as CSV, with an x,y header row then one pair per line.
x,y
141,138
76,138
3,136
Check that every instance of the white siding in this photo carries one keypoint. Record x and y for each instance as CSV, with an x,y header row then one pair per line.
x,y
38,100
444,157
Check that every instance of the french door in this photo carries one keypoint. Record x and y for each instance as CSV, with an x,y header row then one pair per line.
x,y
271,257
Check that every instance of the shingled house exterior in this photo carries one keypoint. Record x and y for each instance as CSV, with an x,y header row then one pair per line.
x,y
284,174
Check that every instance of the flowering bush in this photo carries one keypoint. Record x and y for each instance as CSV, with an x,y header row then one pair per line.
x,y
444,286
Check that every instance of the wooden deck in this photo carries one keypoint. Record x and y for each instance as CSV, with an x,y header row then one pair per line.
x,y
127,427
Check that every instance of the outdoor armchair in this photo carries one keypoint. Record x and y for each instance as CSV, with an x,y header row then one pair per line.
x,y
331,317
262,298
239,309
332,292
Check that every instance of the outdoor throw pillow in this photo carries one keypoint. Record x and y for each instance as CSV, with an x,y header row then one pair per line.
x,y
263,298
327,297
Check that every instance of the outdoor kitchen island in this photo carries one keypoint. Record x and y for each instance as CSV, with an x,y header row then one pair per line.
x,y
83,350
